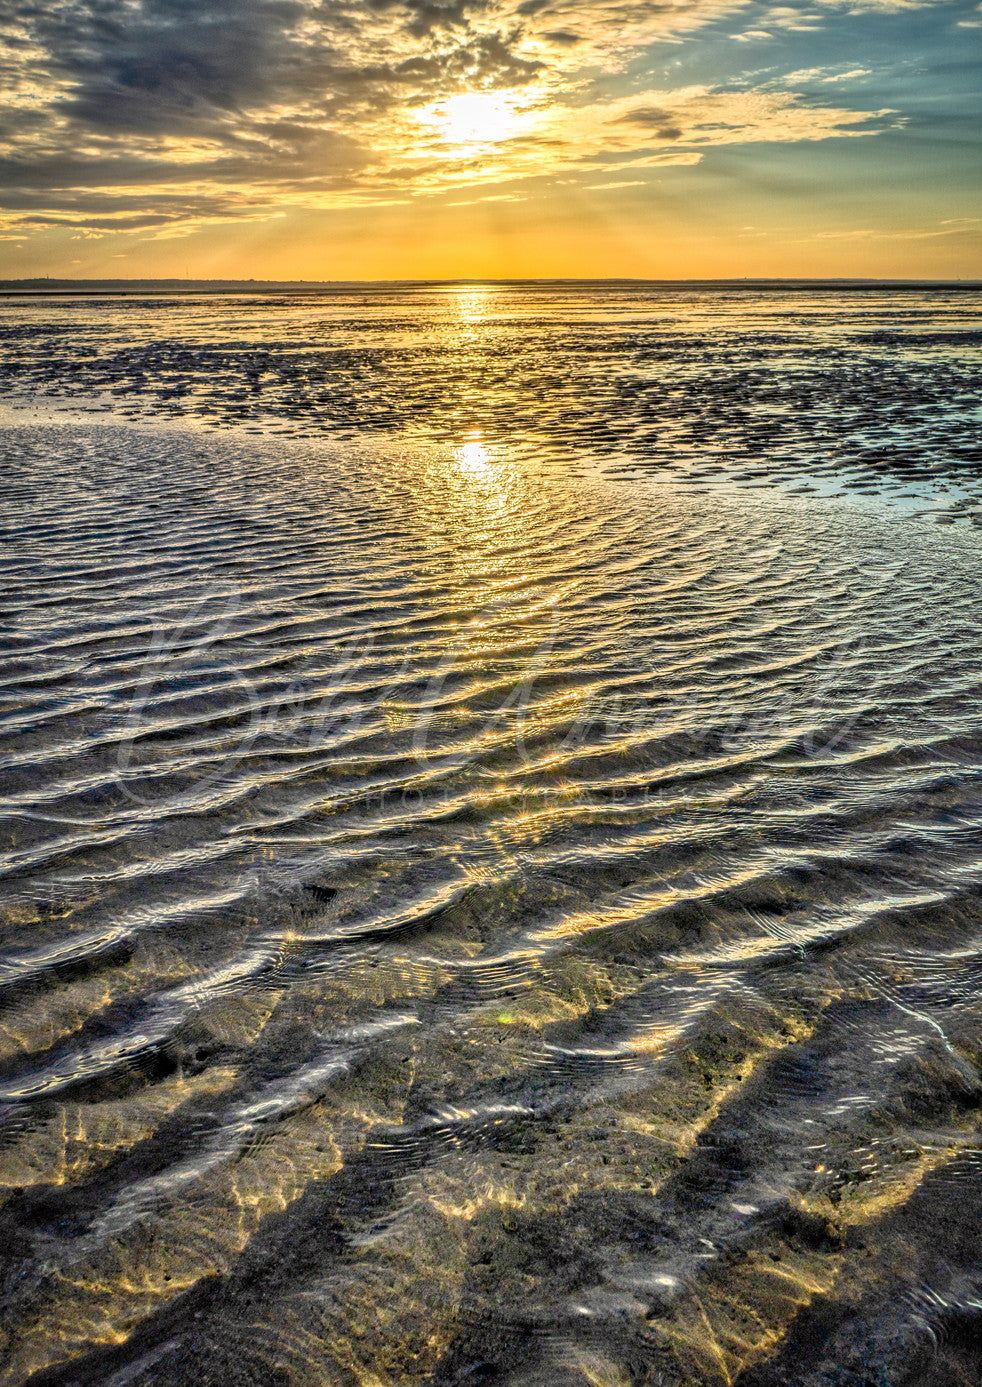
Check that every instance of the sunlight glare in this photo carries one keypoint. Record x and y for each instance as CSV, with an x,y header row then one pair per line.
x,y
473,456
473,119
472,307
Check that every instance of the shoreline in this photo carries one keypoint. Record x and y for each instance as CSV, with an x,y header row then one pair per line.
x,y
125,288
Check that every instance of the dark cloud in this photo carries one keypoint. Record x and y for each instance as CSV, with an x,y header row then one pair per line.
x,y
170,63
249,103
182,67
267,96
647,117
421,18
102,212
659,123
137,221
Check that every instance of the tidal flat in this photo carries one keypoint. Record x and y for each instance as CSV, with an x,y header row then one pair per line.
x,y
491,791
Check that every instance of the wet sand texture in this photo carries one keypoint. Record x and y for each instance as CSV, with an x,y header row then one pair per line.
x,y
462,925
872,390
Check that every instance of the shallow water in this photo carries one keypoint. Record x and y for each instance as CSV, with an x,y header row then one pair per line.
x,y
476,909
865,389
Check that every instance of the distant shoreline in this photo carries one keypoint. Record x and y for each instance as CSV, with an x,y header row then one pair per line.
x,y
123,288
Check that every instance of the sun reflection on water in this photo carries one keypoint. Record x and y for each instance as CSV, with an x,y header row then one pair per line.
x,y
473,506
474,457
472,304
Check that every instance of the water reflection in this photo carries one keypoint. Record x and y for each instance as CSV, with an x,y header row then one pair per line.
x,y
472,512
474,457
580,965
473,304
804,389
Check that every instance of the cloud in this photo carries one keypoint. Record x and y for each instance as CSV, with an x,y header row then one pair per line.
x,y
121,115
703,116
956,226
825,74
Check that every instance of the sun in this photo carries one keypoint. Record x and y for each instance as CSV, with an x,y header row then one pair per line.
x,y
472,119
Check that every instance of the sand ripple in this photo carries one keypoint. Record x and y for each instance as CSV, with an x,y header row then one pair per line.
x,y
460,926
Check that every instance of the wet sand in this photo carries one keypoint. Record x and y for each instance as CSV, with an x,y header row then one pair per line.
x,y
867,391
481,910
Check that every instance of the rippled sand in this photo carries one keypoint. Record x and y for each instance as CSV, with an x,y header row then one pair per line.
x,y
468,923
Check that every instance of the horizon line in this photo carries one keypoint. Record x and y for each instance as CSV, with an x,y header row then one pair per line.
x,y
59,283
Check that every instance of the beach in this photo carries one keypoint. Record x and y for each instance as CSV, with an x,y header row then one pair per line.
x,y
491,781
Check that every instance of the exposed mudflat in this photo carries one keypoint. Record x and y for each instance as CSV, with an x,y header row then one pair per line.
x,y
480,905
874,391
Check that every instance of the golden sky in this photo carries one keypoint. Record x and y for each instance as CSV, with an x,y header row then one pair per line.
x,y
372,139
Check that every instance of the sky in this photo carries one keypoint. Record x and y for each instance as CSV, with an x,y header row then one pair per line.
x,y
395,139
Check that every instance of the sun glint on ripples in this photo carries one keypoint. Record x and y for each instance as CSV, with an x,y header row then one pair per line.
x,y
463,916
474,457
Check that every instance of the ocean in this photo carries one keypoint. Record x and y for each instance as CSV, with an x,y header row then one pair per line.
x,y
491,791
